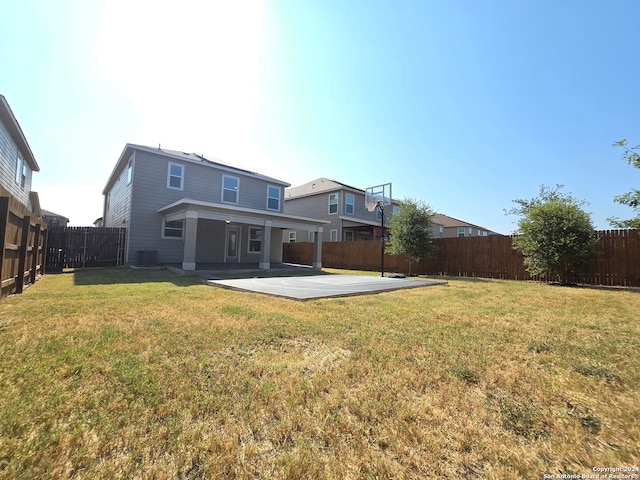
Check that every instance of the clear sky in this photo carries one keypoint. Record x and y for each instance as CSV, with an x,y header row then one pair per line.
x,y
466,105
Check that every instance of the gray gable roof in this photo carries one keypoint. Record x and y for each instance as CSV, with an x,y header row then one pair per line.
x,y
180,155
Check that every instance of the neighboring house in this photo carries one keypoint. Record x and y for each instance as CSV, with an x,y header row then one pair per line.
x,y
54,219
183,209
342,206
17,162
449,227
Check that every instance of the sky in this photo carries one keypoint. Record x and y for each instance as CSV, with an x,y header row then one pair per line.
x,y
464,105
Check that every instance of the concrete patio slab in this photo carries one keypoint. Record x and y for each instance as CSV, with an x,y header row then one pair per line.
x,y
321,286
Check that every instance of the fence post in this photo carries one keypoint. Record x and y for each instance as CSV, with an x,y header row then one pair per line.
x,y
35,254
23,249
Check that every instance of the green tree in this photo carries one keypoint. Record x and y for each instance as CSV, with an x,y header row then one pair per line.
x,y
411,230
632,198
555,235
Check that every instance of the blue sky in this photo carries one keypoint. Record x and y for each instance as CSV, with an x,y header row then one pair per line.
x,y
465,105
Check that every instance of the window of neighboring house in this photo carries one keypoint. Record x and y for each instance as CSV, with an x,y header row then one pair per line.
x,y
292,237
349,204
255,240
460,231
348,236
441,231
485,233
311,237
172,229
273,198
333,235
21,170
333,203
175,177
129,172
470,231
230,187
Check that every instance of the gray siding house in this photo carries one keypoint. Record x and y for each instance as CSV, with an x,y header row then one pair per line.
x,y
17,162
185,210
341,205
449,227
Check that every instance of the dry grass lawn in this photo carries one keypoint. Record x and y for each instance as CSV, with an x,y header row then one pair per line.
x,y
113,373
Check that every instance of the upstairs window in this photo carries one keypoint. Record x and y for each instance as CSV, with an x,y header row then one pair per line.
x,y
349,204
175,176
129,171
230,187
273,198
21,170
333,203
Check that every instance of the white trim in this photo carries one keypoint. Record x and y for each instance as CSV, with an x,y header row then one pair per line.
x,y
169,176
249,240
352,204
238,244
240,213
337,195
279,198
237,191
164,227
333,235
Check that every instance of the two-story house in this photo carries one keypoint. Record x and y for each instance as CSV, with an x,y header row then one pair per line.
x,y
17,162
342,206
183,209
449,227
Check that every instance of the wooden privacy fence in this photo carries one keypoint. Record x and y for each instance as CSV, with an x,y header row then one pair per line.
x,y
83,247
617,262
23,245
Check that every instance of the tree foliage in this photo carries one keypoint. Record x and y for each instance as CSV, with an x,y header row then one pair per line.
x,y
632,198
555,235
411,230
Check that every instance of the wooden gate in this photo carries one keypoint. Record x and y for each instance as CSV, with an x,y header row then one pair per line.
x,y
83,247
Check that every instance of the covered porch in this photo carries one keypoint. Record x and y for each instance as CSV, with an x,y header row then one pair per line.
x,y
235,237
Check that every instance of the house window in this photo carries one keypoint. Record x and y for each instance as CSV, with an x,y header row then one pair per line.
x,y
348,236
349,204
470,231
230,186
441,231
255,240
333,203
175,177
333,235
273,198
172,229
292,237
460,232
129,172
311,237
21,170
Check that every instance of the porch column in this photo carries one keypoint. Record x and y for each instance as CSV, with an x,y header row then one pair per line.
x,y
265,257
317,250
190,235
